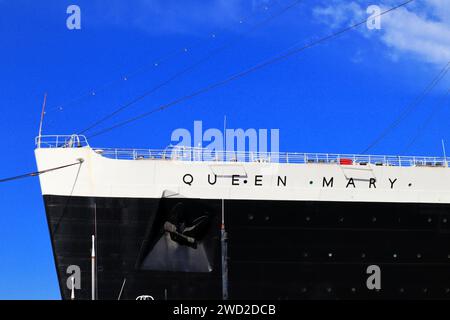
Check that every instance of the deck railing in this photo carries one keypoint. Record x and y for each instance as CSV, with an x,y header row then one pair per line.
x,y
179,153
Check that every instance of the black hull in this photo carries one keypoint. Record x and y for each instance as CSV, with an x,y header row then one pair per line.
x,y
276,249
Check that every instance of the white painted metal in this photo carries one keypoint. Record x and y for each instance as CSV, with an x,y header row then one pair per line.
x,y
104,177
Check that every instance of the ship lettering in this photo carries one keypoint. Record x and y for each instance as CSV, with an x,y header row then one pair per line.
x,y
188,179
351,182
392,182
209,179
327,183
280,180
235,180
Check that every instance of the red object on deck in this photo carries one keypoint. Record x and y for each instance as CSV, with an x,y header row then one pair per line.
x,y
345,161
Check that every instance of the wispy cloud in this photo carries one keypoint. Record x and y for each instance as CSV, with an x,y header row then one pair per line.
x,y
422,31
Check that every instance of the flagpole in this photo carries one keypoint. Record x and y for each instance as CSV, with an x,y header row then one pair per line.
x,y
93,267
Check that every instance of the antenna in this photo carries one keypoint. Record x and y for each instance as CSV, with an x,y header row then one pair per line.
x,y
93,267
223,240
224,136
42,120
443,150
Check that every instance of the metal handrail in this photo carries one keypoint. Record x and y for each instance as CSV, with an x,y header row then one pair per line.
x,y
181,153
61,141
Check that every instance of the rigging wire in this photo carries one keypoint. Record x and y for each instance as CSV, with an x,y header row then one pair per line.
x,y
37,173
156,62
241,74
410,107
188,69
434,111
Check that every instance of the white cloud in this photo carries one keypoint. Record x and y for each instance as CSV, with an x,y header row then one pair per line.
x,y
337,15
422,31
427,39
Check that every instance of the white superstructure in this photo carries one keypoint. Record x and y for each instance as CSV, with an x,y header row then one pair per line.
x,y
195,173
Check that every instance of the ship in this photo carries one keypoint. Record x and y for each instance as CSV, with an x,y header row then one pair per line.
x,y
190,223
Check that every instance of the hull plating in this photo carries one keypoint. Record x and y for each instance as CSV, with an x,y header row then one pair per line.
x,y
170,248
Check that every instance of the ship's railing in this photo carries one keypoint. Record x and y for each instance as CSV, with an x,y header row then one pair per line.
x,y
200,154
180,153
61,141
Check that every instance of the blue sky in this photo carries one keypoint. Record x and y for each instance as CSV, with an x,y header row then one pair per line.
x,y
336,97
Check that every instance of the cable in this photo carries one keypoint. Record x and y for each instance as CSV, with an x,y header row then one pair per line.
x,y
188,69
410,107
248,71
430,117
155,63
37,173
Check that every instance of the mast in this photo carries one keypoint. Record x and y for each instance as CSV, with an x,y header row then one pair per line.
x,y
445,155
93,267
42,120
223,240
